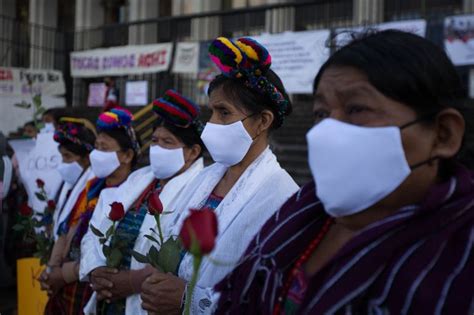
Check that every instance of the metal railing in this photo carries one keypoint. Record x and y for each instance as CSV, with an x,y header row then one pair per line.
x,y
28,45
294,16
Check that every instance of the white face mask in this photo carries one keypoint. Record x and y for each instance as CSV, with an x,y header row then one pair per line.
x,y
70,172
48,127
103,163
355,167
227,144
165,163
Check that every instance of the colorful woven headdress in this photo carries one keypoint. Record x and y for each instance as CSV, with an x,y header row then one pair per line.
x,y
248,60
118,118
178,110
70,128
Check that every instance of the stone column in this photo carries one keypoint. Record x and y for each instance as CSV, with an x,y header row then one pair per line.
x,y
43,17
468,6
205,28
89,14
7,33
279,20
142,10
368,11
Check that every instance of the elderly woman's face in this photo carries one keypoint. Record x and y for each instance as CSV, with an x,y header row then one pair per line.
x,y
345,94
68,156
165,139
106,143
225,111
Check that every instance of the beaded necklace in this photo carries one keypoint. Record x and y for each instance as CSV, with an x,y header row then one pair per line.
x,y
302,260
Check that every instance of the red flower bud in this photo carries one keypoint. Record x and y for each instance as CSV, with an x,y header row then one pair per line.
x,y
154,204
199,231
51,204
117,212
25,210
39,183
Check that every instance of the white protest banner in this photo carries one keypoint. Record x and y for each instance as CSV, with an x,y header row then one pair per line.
x,y
16,82
13,116
297,57
459,39
121,60
417,27
38,161
22,147
96,94
136,93
186,59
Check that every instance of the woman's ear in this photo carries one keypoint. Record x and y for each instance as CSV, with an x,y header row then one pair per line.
x,y
84,161
193,153
127,156
266,121
449,128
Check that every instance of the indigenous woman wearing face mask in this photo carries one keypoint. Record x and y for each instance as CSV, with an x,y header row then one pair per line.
x,y
387,225
111,162
175,158
76,138
245,186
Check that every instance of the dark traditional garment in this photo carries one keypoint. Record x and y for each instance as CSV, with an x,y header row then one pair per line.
x,y
296,294
126,234
72,298
84,215
420,260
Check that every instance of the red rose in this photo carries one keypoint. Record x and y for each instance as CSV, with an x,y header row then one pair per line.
x,y
39,183
51,204
117,212
199,231
25,210
154,204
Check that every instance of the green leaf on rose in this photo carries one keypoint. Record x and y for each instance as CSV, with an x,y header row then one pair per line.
x,y
40,111
106,250
153,257
40,196
37,100
109,231
140,258
151,238
96,231
18,227
115,258
169,255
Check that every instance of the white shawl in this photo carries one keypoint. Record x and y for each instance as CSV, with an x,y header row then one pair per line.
x,y
64,206
256,196
127,194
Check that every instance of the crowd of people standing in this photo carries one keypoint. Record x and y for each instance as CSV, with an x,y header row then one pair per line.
x,y
386,226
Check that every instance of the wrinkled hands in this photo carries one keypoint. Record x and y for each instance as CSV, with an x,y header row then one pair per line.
x,y
53,281
163,293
